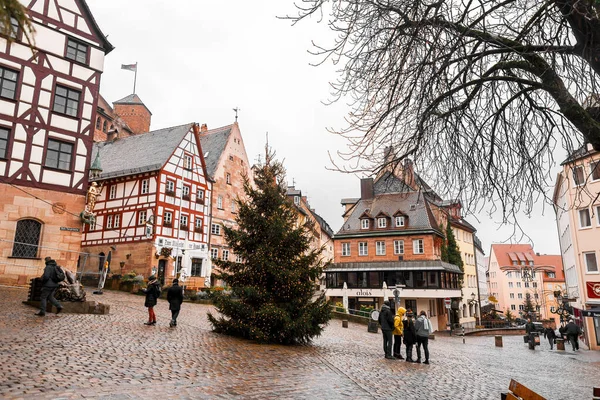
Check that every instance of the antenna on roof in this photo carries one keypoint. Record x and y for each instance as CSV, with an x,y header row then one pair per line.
x,y
236,112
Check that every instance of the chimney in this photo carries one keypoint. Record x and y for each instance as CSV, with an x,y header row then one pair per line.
x,y
367,191
204,128
196,129
112,135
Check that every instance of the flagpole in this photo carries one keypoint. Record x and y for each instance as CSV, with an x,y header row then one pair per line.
x,y
135,77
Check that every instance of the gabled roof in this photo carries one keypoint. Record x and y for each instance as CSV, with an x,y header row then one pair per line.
x,y
132,99
105,43
324,225
505,251
420,216
213,144
140,153
584,151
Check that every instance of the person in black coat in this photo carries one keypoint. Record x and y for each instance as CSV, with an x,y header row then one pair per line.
x,y
410,335
49,288
152,294
175,298
550,335
386,320
573,331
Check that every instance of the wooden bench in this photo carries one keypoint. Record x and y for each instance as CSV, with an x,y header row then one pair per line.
x,y
520,392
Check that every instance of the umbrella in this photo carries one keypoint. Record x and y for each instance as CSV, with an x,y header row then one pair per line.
x,y
385,291
104,272
345,299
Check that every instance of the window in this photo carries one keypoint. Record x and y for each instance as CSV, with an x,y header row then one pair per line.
x,y
185,192
27,238
104,126
519,284
398,246
187,162
228,178
598,214
381,222
76,51
380,248
584,218
521,307
196,267
534,284
550,274
168,219
66,101
510,284
200,196
230,158
98,123
214,253
364,224
362,249
399,221
345,249
578,176
183,222
142,217
215,229
145,186
59,155
14,28
113,192
509,274
595,168
297,200
513,307
527,284
170,187
238,258
232,206
225,255
220,202
8,83
198,224
590,262
512,295
113,221
418,246
3,142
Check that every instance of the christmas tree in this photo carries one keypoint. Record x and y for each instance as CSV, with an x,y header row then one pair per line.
x,y
272,290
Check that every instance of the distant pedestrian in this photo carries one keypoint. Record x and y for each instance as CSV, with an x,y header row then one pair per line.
x,y
398,330
423,329
386,320
175,298
550,335
152,294
573,331
529,326
410,336
50,282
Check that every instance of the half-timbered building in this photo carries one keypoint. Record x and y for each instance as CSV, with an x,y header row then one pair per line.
x,y
48,100
153,207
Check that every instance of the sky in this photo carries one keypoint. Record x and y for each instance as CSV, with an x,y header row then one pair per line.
x,y
199,59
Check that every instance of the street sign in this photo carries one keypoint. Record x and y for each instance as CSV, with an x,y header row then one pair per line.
x,y
375,315
447,302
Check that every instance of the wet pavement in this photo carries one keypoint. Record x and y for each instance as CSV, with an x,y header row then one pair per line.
x,y
117,357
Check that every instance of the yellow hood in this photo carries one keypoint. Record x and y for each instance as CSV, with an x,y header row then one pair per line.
x,y
401,311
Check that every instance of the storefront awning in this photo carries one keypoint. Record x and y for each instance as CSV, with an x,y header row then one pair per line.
x,y
427,265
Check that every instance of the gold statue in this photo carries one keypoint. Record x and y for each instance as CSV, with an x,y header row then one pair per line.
x,y
92,194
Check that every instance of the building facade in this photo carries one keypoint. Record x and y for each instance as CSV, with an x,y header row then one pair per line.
x,y
482,284
47,111
578,221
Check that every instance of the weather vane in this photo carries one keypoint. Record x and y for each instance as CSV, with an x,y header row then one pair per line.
x,y
236,112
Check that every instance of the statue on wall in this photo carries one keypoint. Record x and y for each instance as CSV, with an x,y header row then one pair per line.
x,y
87,215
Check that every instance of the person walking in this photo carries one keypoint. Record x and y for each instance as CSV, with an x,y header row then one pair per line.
x,y
398,328
550,335
573,332
409,335
386,320
175,298
423,329
152,294
50,282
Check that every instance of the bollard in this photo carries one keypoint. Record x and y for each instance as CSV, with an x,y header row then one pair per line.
x,y
344,323
463,329
560,344
498,341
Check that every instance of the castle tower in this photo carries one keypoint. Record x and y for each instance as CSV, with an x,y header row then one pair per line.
x,y
133,111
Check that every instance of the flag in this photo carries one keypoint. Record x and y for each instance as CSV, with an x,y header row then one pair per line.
x,y
129,67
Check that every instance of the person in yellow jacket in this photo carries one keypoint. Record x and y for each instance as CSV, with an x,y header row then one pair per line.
x,y
398,328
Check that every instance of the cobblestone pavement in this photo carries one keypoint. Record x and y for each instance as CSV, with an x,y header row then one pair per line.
x,y
117,357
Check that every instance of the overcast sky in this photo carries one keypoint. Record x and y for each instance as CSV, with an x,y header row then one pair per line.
x,y
197,60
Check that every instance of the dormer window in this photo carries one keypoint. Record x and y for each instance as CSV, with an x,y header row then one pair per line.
x,y
297,200
400,221
364,224
381,223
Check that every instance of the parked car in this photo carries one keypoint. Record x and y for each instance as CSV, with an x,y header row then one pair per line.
x,y
539,327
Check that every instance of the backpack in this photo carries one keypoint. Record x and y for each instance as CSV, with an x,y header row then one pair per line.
x,y
59,274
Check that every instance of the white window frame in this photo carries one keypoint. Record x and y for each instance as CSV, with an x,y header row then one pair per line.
x,y
187,162
225,255
183,220
418,246
200,194
381,223
170,186
168,217
220,202
364,223
238,258
597,215
587,265
228,178
398,246
589,217
185,191
510,285
117,221
215,229
297,200
214,253
363,249
512,296
233,209
109,221
575,169
380,248
113,192
346,249
142,216
145,186
198,222
400,221
513,307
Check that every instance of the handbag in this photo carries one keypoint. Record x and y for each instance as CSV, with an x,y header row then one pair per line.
x,y
526,338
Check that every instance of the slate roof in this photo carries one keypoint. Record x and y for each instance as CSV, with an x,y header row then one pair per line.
x,y
105,43
582,152
324,225
421,265
213,144
139,153
420,218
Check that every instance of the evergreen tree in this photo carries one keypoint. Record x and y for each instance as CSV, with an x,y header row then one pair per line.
x,y
528,306
272,289
509,316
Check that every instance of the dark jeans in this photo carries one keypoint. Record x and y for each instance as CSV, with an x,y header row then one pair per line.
x,y
423,340
551,341
397,346
574,341
409,351
48,294
387,342
174,315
